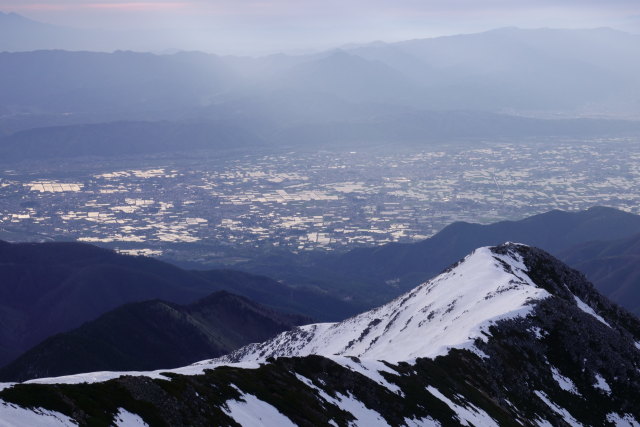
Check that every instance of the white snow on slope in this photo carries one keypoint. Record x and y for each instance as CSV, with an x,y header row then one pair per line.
x,y
467,415
626,420
602,384
370,369
251,412
421,422
14,416
541,422
565,383
125,418
590,311
98,377
449,311
566,415
365,417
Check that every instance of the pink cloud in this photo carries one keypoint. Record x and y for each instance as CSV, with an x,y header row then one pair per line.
x,y
148,6
137,6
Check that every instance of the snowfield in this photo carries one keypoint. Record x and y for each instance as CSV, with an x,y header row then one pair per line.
x,y
449,311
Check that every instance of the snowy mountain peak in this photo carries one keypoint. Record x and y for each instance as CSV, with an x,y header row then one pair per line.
x,y
559,354
450,311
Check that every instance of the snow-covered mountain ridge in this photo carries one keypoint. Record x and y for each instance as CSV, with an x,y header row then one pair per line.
x,y
450,311
507,336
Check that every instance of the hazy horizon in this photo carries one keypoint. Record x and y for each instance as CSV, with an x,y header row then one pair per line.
x,y
275,26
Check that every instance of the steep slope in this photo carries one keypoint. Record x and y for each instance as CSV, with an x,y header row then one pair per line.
x,y
508,336
47,288
451,310
152,335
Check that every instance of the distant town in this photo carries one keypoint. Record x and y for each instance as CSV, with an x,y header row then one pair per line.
x,y
311,200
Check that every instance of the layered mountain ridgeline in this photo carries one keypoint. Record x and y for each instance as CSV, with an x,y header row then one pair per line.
x,y
508,336
575,71
554,231
377,274
127,138
107,83
153,335
421,91
47,288
124,139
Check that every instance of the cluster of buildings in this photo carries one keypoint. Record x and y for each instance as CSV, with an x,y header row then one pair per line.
x,y
315,200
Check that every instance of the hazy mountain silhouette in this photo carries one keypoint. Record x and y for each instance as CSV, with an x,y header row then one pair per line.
x,y
511,68
395,92
124,138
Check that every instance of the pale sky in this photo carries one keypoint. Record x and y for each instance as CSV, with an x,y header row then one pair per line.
x,y
274,25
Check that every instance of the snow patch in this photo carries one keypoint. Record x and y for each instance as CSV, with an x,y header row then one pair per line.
x,y
541,422
364,416
421,422
587,309
568,418
125,418
14,416
537,332
565,383
251,411
472,415
602,384
370,369
626,420
311,385
197,368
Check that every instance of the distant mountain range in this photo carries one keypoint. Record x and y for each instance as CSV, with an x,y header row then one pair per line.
x,y
131,138
379,273
500,83
124,139
521,69
19,33
152,335
50,288
507,336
